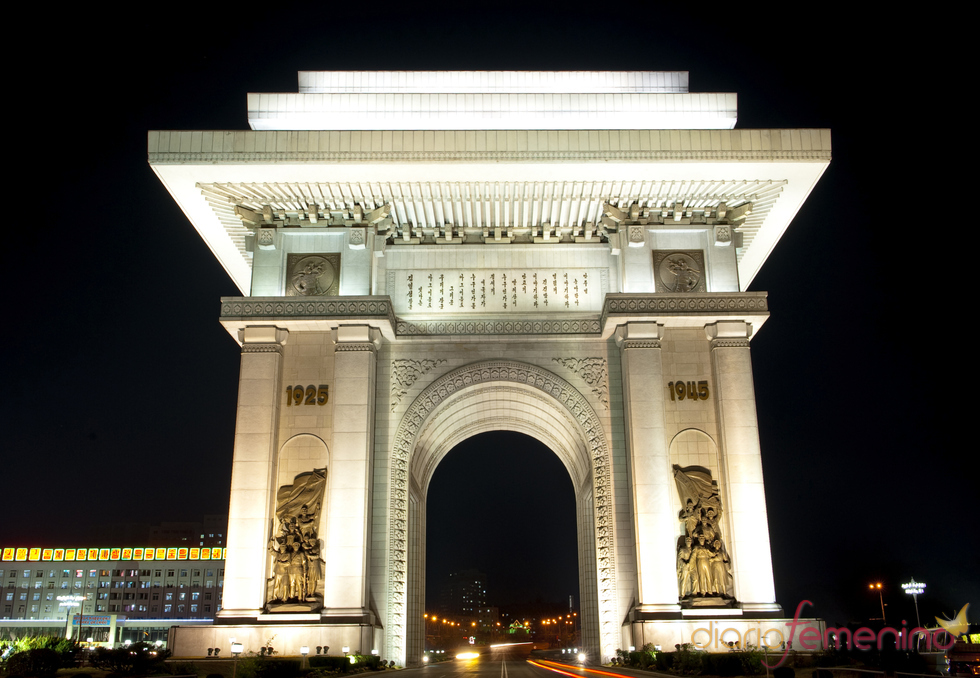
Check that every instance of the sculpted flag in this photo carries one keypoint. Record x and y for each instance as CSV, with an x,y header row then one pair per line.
x,y
694,482
307,489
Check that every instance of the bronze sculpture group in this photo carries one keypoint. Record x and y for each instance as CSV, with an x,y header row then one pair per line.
x,y
704,567
297,563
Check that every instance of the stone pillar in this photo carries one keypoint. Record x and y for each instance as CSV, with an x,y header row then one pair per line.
x,y
345,591
252,488
650,477
741,465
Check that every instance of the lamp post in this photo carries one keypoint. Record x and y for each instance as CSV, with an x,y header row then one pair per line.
x,y
69,602
914,588
236,649
877,586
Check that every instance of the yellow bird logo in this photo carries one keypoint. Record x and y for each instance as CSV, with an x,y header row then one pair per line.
x,y
958,625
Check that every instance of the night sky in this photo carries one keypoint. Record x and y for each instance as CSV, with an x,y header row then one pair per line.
x,y
119,386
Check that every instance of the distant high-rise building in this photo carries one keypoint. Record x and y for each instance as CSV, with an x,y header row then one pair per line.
x,y
465,594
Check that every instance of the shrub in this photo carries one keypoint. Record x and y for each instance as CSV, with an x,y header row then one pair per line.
x,y
40,661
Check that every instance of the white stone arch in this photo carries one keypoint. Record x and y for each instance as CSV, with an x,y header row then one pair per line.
x,y
499,395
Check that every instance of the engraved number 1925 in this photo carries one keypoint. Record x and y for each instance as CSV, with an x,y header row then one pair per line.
x,y
314,395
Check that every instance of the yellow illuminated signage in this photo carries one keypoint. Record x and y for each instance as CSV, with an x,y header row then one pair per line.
x,y
35,553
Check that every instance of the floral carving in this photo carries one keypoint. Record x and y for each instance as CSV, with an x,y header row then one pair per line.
x,y
593,372
404,373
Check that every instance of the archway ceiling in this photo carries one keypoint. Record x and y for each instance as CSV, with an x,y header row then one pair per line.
x,y
496,407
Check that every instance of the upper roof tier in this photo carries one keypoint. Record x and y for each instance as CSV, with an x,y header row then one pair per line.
x,y
503,100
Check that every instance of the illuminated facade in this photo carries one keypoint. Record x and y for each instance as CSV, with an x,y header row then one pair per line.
x,y
133,582
423,257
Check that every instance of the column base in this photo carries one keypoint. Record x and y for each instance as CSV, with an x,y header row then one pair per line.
x,y
286,638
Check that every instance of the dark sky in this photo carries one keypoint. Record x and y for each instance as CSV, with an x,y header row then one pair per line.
x,y
119,386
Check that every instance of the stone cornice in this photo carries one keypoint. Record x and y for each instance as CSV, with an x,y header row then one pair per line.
x,y
683,310
299,313
638,145
220,157
323,313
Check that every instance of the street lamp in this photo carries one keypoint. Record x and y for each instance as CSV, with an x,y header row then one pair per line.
x,y
69,602
236,649
877,586
914,588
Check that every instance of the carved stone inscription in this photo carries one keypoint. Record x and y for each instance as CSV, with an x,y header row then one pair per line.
x,y
456,291
312,275
704,568
297,564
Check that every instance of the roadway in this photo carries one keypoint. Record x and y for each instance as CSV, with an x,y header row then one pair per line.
x,y
510,661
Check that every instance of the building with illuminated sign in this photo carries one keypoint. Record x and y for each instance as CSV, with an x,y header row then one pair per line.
x,y
133,582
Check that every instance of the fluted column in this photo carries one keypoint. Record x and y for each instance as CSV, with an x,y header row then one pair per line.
x,y
650,477
348,535
252,490
741,464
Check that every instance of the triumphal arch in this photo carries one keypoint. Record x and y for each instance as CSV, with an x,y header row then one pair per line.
x,y
424,256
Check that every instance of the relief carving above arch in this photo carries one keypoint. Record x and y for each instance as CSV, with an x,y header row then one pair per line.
x,y
404,444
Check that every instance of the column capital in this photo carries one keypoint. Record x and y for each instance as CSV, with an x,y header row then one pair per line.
x,y
639,335
262,339
729,333
356,338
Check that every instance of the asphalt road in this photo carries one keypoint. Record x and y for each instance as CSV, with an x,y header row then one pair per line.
x,y
502,662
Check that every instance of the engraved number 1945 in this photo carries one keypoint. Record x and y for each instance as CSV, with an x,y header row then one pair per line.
x,y
690,390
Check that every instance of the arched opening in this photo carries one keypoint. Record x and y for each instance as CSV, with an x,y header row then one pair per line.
x,y
499,396
503,505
